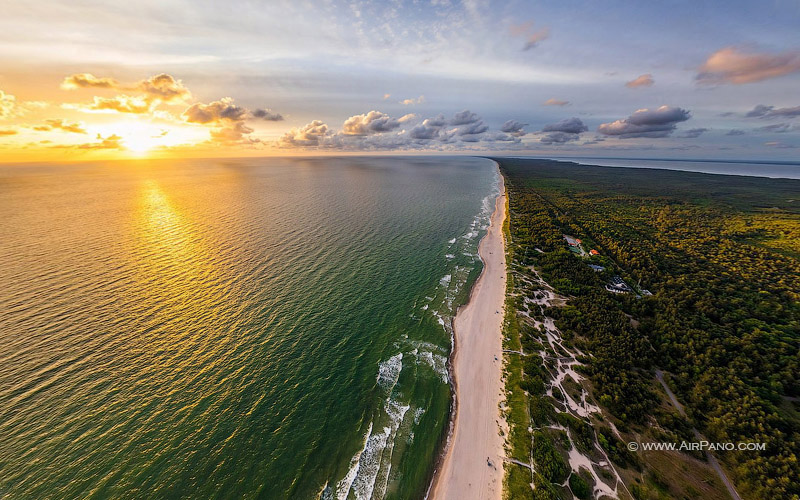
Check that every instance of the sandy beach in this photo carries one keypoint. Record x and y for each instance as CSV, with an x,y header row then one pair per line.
x,y
472,466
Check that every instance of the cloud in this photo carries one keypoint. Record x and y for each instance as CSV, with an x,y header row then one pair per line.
x,y
408,102
215,112
555,102
536,37
311,134
564,131
468,127
8,132
86,80
731,65
112,141
165,88
373,122
227,117
692,133
386,96
645,80
121,104
7,104
430,128
378,131
161,87
514,128
59,124
568,125
464,118
503,137
471,129
532,38
652,123
762,111
559,138
267,115
233,134
735,132
779,144
778,128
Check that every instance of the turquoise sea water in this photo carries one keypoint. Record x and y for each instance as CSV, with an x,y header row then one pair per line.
x,y
250,328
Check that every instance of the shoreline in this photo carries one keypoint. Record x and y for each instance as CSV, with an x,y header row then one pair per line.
x,y
471,462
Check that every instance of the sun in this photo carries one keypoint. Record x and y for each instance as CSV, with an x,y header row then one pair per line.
x,y
141,138
138,143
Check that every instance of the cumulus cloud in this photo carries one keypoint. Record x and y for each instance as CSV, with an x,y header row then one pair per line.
x,y
373,122
87,80
408,102
215,112
430,128
692,133
58,124
121,104
735,132
227,118
762,111
732,65
559,138
386,96
378,131
514,128
564,131
165,88
267,115
471,129
555,102
311,134
7,104
569,125
645,80
502,137
652,123
162,87
233,133
464,118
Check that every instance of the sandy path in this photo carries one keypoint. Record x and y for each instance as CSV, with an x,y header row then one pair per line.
x,y
465,472
709,456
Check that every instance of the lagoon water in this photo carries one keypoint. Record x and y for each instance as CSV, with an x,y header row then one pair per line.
x,y
250,328
777,169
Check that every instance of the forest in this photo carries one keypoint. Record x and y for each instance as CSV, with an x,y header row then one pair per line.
x,y
720,255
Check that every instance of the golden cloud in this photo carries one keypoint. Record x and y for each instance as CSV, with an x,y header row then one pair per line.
x,y
730,65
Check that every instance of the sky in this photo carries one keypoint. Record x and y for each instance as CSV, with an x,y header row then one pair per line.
x,y
83,79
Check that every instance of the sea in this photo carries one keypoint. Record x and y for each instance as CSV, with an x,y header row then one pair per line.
x,y
232,328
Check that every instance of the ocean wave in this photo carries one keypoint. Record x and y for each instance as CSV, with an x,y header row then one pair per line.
x,y
389,371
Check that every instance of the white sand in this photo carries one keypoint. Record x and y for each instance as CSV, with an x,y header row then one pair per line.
x,y
478,370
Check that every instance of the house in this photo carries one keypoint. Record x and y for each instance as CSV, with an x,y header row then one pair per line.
x,y
593,252
573,242
596,268
618,285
